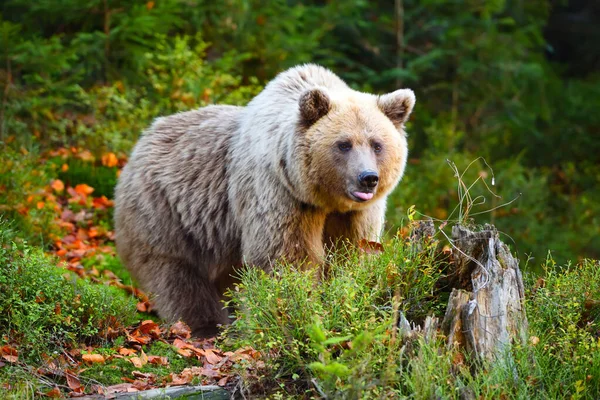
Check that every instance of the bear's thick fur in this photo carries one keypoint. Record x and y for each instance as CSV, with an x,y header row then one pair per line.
x,y
307,162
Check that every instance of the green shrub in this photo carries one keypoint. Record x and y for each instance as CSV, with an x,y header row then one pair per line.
x,y
336,338
303,326
45,308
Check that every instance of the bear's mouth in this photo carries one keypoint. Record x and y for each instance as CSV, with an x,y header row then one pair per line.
x,y
361,197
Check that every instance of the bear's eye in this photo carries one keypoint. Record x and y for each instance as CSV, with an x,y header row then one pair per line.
x,y
377,147
345,146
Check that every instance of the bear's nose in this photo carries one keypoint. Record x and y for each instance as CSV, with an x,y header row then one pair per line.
x,y
368,179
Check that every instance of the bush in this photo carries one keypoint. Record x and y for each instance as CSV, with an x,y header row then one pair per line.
x,y
305,328
44,308
337,338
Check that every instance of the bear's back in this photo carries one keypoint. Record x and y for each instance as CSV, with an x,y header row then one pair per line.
x,y
172,194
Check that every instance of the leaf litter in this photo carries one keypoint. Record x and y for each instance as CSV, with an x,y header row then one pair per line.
x,y
82,237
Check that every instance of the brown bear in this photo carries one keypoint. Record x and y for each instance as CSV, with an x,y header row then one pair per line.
x,y
307,162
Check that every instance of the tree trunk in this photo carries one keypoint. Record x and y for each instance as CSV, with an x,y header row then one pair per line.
x,y
485,313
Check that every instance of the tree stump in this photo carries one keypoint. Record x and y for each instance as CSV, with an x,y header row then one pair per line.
x,y
485,313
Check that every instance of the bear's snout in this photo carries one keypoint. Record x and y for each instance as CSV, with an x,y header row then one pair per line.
x,y
368,179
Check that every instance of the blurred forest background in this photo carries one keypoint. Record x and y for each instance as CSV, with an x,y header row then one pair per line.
x,y
515,82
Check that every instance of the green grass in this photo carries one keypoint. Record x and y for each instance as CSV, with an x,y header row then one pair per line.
x,y
336,338
44,308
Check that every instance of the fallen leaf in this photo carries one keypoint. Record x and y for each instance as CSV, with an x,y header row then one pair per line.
x,y
140,361
184,352
73,382
136,361
211,357
183,378
93,358
120,388
158,360
150,327
110,160
58,185
54,393
10,354
126,352
83,189
180,329
223,381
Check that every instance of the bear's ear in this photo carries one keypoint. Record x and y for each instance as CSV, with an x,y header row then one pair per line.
x,y
313,104
397,105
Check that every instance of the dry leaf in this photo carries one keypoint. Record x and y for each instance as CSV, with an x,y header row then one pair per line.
x,y
180,329
211,357
10,354
83,189
126,352
73,382
158,360
54,393
93,358
58,185
110,160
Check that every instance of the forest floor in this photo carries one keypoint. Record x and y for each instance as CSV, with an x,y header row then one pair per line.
x,y
72,322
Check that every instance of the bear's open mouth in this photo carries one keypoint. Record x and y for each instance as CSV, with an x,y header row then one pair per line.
x,y
361,196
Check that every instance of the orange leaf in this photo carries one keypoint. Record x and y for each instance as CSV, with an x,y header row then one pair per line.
x,y
93,358
211,357
136,361
180,344
58,185
150,5
184,352
54,393
183,378
158,360
110,160
140,361
181,329
83,189
150,327
126,352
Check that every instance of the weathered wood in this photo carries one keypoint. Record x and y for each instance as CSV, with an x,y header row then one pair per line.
x,y
485,314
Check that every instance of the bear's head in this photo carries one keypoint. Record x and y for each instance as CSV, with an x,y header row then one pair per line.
x,y
354,147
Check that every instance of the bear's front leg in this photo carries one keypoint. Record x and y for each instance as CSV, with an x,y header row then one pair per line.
x,y
355,225
293,234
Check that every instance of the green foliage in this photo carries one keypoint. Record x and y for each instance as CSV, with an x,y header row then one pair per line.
x,y
22,179
337,338
306,327
44,308
564,313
